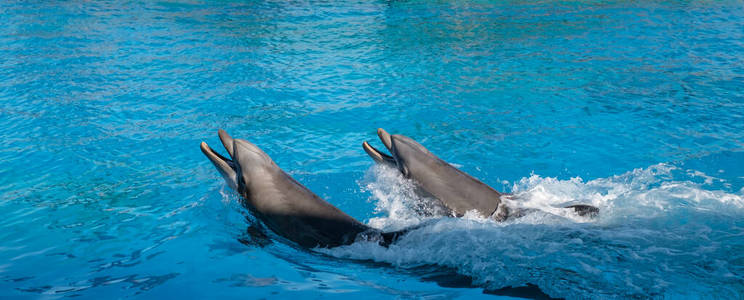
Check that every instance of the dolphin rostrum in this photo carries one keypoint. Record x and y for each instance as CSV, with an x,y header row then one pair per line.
x,y
283,204
457,190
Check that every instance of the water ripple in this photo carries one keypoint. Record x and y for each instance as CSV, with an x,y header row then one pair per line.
x,y
103,103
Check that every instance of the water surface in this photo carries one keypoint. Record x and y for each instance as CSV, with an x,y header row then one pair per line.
x,y
635,107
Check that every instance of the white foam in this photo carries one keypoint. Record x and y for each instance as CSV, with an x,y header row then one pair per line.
x,y
397,202
655,236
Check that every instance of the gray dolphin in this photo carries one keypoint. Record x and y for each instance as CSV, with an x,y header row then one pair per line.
x,y
457,190
283,204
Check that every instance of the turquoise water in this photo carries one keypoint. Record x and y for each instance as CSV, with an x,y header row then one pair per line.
x,y
636,107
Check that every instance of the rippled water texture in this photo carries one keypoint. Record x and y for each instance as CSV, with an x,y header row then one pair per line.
x,y
633,106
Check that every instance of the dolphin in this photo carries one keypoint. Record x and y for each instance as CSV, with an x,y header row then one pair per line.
x,y
284,205
455,189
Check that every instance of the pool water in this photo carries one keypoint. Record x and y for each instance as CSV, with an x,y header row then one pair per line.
x,y
636,107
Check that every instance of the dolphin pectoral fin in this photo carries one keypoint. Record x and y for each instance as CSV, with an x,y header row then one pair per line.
x,y
384,239
585,210
377,155
225,166
391,237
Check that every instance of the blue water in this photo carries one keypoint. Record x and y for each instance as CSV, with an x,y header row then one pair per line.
x,y
636,107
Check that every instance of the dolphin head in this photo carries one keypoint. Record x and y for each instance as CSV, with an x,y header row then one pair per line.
x,y
247,162
404,151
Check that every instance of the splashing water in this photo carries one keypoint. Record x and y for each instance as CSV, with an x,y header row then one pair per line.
x,y
398,200
656,235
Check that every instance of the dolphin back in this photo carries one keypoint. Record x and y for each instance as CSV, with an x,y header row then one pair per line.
x,y
300,215
457,190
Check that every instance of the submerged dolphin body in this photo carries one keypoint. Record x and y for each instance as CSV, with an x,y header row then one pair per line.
x,y
283,204
456,190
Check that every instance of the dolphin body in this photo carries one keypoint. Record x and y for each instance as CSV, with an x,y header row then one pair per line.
x,y
283,204
455,189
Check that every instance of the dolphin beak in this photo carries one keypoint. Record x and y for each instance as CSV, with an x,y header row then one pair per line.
x,y
227,142
377,155
385,138
225,166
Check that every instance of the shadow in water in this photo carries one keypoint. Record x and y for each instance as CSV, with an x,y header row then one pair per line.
x,y
449,278
530,291
256,235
